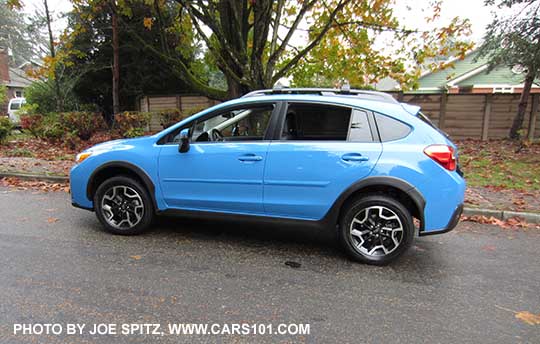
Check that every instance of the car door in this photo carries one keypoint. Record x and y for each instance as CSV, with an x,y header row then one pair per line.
x,y
219,175
322,150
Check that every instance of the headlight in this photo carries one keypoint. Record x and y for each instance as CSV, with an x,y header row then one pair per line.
x,y
81,157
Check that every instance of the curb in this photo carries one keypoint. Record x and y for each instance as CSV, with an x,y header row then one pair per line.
x,y
502,214
498,214
32,176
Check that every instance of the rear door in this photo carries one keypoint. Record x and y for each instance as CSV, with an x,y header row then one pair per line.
x,y
322,149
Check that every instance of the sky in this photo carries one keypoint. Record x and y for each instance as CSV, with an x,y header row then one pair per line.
x,y
410,13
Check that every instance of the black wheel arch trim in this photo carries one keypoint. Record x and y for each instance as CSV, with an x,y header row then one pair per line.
x,y
332,216
147,181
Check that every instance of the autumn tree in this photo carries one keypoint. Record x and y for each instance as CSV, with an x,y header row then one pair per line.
x,y
255,43
87,49
513,39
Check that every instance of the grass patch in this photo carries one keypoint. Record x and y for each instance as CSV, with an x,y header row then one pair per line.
x,y
501,164
20,152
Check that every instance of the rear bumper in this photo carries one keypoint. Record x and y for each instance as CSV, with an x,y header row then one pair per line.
x,y
454,220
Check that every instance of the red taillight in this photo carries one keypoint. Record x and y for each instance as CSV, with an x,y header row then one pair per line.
x,y
442,154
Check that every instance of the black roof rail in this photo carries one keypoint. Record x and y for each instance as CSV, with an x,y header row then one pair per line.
x,y
345,91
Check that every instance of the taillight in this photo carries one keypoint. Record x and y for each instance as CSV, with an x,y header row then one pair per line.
x,y
442,154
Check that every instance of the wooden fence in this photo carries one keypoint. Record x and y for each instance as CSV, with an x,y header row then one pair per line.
x,y
181,102
462,116
476,116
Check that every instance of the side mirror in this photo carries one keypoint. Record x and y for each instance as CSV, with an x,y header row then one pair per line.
x,y
184,137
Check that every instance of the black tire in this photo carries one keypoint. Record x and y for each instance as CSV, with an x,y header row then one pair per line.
x,y
367,207
131,186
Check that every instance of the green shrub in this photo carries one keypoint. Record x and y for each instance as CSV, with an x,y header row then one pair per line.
x,y
132,123
43,95
5,128
172,116
169,117
51,128
82,124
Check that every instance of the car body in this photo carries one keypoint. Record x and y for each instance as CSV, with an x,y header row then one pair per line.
x,y
14,106
355,161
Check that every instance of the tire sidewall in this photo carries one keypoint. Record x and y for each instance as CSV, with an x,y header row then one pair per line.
x,y
147,203
376,200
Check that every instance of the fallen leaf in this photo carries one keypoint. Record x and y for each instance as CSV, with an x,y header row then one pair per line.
x,y
488,248
137,257
52,220
529,318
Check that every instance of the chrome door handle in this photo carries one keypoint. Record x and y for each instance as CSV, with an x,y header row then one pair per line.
x,y
354,157
250,157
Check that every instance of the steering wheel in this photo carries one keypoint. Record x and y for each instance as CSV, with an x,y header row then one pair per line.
x,y
216,135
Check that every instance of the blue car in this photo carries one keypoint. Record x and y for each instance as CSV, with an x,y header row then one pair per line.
x,y
360,163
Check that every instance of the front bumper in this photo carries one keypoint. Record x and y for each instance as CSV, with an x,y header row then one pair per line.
x,y
454,220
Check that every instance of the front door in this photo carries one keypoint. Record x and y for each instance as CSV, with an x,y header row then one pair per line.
x,y
223,169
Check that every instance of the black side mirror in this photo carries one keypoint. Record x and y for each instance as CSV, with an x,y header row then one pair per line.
x,y
184,137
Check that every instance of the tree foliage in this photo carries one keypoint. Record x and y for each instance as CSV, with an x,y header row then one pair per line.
x,y
513,39
255,43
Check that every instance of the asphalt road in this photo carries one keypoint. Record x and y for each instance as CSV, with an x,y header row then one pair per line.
x,y
57,266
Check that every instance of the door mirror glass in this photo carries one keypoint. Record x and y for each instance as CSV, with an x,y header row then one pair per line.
x,y
184,141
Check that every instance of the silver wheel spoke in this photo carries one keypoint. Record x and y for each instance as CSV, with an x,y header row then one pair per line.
x,y
122,207
376,231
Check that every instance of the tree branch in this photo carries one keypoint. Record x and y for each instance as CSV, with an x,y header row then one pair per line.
x,y
313,43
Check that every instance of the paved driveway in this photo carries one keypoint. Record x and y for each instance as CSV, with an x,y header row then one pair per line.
x,y
57,266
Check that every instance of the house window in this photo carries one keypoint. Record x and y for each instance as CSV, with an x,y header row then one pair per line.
x,y
18,94
503,89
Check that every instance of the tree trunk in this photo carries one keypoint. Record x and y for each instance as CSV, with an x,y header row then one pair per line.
x,y
59,103
522,107
234,88
116,62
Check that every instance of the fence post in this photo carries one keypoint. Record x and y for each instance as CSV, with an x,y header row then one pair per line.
x,y
487,115
442,110
532,117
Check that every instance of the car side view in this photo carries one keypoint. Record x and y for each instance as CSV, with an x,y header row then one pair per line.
x,y
357,162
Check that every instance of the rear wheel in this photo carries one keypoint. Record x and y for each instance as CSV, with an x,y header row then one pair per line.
x,y
376,229
123,206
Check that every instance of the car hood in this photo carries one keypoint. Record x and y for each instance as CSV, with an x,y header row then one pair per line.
x,y
120,144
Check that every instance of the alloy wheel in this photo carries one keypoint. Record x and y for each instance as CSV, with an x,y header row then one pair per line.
x,y
376,231
122,207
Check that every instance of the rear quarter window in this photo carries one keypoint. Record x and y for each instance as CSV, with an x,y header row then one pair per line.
x,y
391,129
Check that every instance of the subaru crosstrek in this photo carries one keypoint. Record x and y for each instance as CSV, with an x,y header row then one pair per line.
x,y
357,162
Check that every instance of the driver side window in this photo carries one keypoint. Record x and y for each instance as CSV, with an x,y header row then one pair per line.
x,y
241,124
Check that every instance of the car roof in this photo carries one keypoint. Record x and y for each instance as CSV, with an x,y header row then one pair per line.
x,y
395,109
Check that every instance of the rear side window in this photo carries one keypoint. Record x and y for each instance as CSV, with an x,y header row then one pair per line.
x,y
391,129
360,130
316,122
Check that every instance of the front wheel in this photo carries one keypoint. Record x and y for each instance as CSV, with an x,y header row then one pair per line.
x,y
376,229
123,206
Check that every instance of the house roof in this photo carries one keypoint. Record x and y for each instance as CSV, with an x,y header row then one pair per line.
x,y
18,78
439,79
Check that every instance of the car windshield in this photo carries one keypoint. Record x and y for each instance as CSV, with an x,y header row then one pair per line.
x,y
15,106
